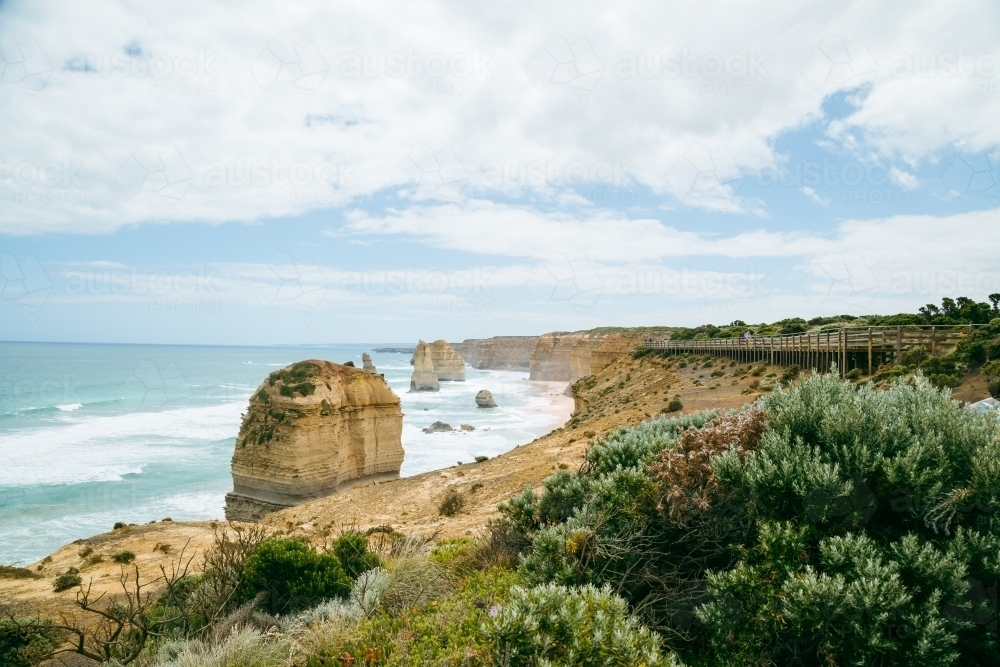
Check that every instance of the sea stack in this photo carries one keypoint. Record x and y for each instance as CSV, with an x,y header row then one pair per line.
x,y
313,428
484,399
424,377
448,364
366,361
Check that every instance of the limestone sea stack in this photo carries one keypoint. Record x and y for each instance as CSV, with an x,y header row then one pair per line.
x,y
366,361
313,428
424,377
448,364
484,399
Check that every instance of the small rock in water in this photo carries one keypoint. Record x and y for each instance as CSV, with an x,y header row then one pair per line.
x,y
467,427
438,427
484,399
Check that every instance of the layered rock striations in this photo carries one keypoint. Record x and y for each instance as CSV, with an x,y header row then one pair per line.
x,y
571,356
448,364
500,353
312,429
612,347
424,376
552,356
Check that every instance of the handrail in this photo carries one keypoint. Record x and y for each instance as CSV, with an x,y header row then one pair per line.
x,y
823,349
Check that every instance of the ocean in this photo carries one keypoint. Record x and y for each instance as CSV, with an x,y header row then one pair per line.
x,y
95,434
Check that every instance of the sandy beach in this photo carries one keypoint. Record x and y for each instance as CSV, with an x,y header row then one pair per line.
x,y
559,407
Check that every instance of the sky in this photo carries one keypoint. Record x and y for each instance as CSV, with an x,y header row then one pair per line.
x,y
319,172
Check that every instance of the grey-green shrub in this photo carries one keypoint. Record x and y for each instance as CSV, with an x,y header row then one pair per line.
x,y
579,626
862,528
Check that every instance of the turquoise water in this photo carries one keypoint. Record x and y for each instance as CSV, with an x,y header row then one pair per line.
x,y
94,434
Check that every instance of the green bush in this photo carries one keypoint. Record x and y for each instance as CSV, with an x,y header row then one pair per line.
x,y
67,580
25,642
791,373
123,557
289,574
674,405
558,625
444,631
863,527
451,504
351,550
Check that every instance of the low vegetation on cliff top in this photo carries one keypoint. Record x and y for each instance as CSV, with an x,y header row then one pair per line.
x,y
827,524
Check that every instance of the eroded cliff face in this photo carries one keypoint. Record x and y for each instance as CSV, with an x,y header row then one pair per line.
x,y
612,347
552,356
312,429
500,353
571,356
448,364
424,377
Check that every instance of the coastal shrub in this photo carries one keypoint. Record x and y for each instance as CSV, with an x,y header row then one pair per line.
x,y
452,503
460,555
124,557
830,524
992,373
446,630
415,580
481,459
69,579
559,625
351,549
14,572
25,641
288,574
853,374
791,373
674,405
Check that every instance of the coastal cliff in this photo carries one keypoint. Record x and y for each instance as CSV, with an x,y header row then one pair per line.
x,y
424,376
448,364
313,428
500,353
551,360
557,356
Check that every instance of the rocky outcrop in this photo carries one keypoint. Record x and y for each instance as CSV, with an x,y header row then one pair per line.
x,y
366,361
438,427
424,377
312,429
484,399
500,353
448,364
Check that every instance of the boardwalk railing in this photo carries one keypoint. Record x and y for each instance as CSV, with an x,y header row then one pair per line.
x,y
848,348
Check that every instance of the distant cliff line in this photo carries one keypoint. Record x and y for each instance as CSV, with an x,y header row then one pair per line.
x,y
563,356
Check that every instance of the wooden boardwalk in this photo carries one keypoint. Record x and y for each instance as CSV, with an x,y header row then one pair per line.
x,y
866,348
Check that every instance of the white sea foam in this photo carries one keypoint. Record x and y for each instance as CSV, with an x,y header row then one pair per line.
x,y
70,407
106,448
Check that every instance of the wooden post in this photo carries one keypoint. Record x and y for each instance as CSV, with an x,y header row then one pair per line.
x,y
899,344
843,352
869,351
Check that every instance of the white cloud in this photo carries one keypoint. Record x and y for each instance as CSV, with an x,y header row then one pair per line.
x,y
902,178
318,106
812,195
